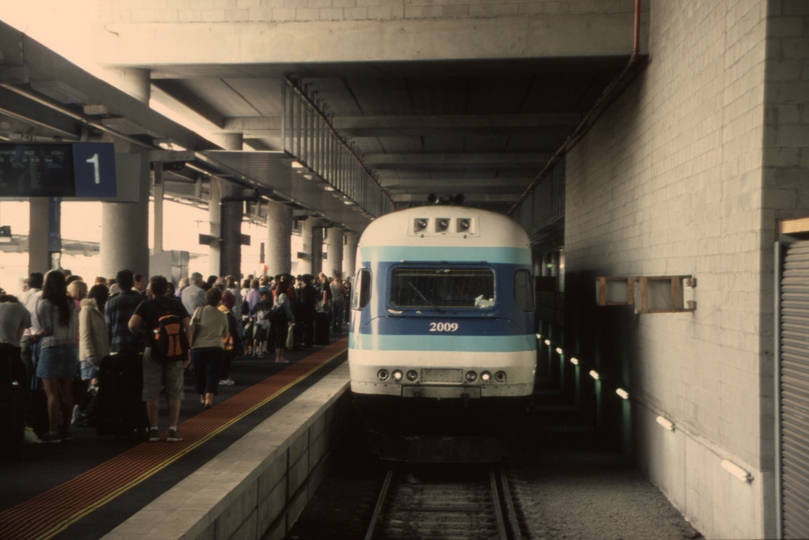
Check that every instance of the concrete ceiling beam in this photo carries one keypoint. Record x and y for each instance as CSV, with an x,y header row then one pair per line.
x,y
471,198
454,161
382,126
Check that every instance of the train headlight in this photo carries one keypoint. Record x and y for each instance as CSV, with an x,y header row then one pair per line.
x,y
441,224
500,376
397,375
419,224
471,376
382,374
485,376
412,375
463,224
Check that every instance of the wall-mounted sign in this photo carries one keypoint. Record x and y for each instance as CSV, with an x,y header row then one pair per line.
x,y
84,170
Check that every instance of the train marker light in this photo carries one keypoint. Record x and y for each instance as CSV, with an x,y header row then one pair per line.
x,y
559,350
463,224
621,392
667,424
397,375
441,224
419,224
500,376
737,471
485,376
412,375
471,376
574,361
382,374
594,374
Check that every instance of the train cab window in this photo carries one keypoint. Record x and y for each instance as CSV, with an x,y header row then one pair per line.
x,y
523,290
361,293
450,288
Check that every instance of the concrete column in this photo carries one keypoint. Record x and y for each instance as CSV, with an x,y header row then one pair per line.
x,y
39,258
305,264
279,233
317,248
350,254
134,81
334,248
157,195
225,253
125,226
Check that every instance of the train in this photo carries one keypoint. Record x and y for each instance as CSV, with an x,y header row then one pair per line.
x,y
442,347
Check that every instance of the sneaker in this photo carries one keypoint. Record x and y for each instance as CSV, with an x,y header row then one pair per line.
x,y
49,437
227,382
174,436
154,435
76,415
31,436
65,435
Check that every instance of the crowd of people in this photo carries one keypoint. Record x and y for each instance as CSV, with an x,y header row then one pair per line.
x,y
56,333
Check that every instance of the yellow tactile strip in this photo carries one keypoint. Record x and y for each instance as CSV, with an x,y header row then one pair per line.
x,y
52,512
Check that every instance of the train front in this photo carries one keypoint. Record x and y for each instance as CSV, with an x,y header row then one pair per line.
x,y
442,350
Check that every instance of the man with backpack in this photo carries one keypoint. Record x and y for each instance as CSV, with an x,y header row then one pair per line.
x,y
165,325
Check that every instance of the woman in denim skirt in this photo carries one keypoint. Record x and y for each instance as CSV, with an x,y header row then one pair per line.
x,y
59,357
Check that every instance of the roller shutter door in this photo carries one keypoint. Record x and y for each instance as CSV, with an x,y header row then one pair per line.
x,y
794,391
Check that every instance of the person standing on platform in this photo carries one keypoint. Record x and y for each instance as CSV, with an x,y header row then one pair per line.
x,y
209,328
308,310
119,311
280,317
59,356
169,376
94,343
14,320
338,294
193,296
234,345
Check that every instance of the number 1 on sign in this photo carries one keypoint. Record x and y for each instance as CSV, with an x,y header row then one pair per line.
x,y
94,161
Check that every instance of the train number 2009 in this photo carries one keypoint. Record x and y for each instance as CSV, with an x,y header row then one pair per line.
x,y
443,327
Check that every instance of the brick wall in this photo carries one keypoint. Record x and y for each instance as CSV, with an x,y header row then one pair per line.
x,y
172,11
670,182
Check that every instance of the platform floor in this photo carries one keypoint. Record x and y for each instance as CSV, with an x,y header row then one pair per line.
x,y
84,488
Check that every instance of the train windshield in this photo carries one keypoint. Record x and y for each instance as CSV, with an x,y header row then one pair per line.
x,y
449,288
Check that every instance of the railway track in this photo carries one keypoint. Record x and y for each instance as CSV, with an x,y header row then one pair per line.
x,y
468,505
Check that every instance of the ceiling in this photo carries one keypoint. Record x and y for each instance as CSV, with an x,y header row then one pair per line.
x,y
483,128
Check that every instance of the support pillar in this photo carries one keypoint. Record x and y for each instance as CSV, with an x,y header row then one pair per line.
x,y
157,195
305,264
317,248
39,258
225,253
350,254
125,226
279,239
334,248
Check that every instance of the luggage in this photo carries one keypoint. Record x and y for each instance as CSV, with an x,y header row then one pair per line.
x,y
322,328
88,415
12,420
119,408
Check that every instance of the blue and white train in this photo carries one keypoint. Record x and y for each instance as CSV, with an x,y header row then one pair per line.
x,y
442,344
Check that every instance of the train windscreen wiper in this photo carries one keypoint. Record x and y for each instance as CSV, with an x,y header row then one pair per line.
x,y
438,309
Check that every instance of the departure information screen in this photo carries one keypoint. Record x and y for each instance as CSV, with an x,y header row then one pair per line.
x,y
36,170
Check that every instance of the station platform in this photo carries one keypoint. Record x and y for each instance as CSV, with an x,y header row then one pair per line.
x,y
264,443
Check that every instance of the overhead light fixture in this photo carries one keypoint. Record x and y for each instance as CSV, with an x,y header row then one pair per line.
x,y
667,424
297,165
539,336
349,203
307,176
547,342
736,471
328,188
574,361
594,374
559,350
60,92
623,393
170,144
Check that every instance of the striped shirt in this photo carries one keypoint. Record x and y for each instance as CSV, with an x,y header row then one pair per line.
x,y
117,314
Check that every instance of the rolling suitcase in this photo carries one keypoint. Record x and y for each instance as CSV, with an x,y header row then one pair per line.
x,y
120,410
12,422
322,328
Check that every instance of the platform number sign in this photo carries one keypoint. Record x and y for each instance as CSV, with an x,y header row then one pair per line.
x,y
94,169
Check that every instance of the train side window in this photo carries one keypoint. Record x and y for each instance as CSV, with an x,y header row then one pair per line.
x,y
523,291
362,289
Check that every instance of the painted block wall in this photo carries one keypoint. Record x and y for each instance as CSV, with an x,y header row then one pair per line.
x,y
670,182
